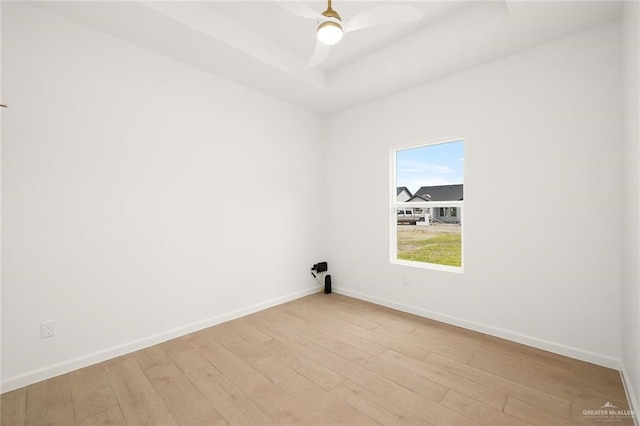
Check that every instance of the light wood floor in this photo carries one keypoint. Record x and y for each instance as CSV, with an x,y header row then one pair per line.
x,y
324,360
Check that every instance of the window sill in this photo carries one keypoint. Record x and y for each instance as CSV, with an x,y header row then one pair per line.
x,y
432,266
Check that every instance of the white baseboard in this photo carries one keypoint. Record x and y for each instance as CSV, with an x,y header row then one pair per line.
x,y
535,342
631,396
109,353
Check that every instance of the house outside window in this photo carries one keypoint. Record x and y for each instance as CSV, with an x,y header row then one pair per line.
x,y
427,205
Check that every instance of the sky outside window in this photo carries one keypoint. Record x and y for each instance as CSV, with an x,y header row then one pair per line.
x,y
440,164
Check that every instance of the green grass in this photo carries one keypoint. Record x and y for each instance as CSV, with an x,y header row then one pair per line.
x,y
443,249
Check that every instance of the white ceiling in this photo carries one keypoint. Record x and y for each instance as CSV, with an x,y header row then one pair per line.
x,y
263,46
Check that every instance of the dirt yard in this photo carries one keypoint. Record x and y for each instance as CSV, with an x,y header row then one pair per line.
x,y
418,232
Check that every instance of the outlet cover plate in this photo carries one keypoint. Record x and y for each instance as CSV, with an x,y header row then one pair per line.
x,y
46,329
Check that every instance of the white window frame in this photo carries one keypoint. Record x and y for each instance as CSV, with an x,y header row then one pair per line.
x,y
395,205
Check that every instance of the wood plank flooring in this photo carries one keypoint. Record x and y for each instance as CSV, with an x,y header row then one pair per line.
x,y
324,360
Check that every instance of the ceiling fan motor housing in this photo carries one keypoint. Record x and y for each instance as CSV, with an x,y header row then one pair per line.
x,y
330,13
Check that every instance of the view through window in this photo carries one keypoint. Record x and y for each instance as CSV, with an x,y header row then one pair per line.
x,y
428,205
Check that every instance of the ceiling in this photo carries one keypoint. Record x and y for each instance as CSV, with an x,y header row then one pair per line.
x,y
261,45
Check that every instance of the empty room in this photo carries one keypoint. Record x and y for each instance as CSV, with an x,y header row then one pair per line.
x,y
320,212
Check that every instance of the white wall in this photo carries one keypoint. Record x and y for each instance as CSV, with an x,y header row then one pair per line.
x,y
542,133
141,198
1,97
630,211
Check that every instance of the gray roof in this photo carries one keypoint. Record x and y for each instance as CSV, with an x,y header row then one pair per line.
x,y
441,192
417,198
403,188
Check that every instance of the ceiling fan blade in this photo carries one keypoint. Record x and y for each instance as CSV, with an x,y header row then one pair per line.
x,y
298,8
384,15
319,55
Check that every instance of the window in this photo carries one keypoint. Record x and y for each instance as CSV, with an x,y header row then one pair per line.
x,y
427,227
448,212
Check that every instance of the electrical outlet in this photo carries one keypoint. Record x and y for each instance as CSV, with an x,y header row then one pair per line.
x,y
46,329
405,281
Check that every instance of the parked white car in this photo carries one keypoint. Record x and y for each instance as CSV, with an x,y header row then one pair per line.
x,y
409,216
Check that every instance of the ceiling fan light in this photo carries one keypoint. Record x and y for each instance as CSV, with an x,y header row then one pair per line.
x,y
329,33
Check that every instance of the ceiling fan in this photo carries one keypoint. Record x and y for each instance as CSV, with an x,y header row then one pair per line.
x,y
331,28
